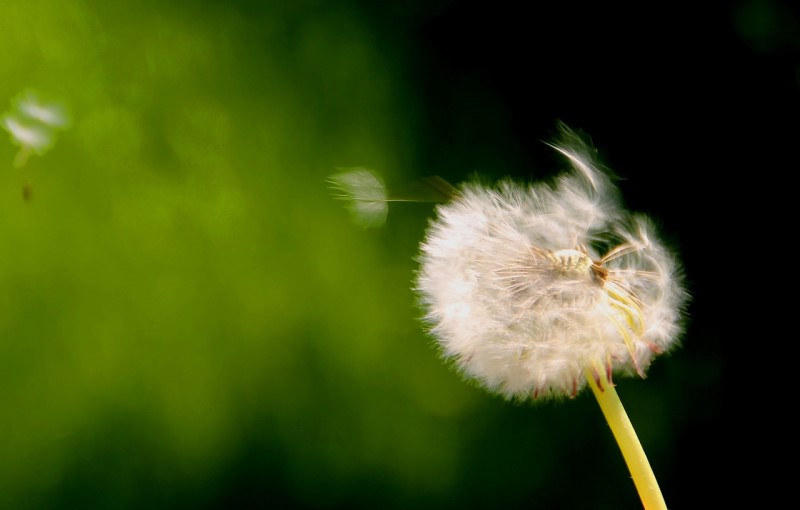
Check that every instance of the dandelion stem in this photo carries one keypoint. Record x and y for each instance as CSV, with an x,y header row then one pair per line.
x,y
626,437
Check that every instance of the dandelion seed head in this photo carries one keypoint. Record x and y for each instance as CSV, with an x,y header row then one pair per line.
x,y
524,286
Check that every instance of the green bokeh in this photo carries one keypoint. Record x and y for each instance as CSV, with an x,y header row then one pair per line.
x,y
190,321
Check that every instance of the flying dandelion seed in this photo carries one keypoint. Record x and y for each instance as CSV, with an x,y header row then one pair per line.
x,y
53,115
32,125
368,199
33,137
365,194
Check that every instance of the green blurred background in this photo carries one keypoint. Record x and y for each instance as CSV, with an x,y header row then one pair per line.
x,y
188,320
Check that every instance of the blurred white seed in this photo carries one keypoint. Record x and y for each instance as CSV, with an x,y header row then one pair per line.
x,y
365,194
32,125
35,137
368,198
53,114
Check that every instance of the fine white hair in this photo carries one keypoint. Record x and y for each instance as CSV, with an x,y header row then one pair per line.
x,y
525,286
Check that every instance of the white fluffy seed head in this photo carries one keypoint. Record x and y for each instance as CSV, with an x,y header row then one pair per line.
x,y
526,286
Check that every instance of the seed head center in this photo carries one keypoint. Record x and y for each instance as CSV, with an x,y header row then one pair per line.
x,y
577,264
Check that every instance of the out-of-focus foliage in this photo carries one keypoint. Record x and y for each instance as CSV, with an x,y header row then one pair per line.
x,y
180,291
189,320
187,316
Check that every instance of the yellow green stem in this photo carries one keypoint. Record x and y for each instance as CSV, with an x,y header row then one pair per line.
x,y
626,437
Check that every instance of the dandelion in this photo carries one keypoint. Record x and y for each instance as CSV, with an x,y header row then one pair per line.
x,y
538,291
32,125
528,286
